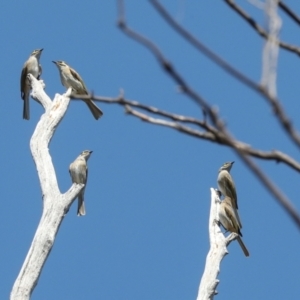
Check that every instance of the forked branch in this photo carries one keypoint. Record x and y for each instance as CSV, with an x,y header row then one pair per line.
x,y
55,204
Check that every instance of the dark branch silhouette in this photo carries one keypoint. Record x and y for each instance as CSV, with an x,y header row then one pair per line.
x,y
289,12
211,133
216,121
273,101
259,29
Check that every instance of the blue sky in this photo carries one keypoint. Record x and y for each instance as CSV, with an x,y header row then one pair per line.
x,y
145,235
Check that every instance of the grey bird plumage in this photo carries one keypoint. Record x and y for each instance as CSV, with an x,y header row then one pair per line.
x,y
31,66
79,173
227,187
70,78
229,220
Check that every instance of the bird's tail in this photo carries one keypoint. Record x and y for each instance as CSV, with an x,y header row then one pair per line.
x,y
26,114
81,207
95,110
245,250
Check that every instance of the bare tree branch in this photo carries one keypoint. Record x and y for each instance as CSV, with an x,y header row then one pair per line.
x,y
166,65
271,49
122,101
278,110
203,48
259,29
216,121
212,136
218,250
175,125
273,189
289,11
55,204
217,137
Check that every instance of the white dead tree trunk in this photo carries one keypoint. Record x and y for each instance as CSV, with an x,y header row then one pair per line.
x,y
218,249
55,204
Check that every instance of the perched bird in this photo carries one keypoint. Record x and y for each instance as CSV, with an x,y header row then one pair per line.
x,y
79,171
227,187
70,78
229,220
32,66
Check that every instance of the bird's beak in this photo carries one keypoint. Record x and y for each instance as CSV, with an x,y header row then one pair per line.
x,y
41,49
54,62
232,162
91,152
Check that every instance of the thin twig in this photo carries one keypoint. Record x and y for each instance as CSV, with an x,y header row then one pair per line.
x,y
203,48
275,155
122,101
272,100
175,125
289,11
216,121
259,29
167,66
273,189
213,136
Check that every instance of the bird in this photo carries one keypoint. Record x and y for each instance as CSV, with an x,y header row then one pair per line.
x,y
79,172
227,187
31,66
229,220
70,78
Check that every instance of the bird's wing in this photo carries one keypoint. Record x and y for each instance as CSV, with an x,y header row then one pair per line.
x,y
231,188
40,72
86,173
232,217
77,76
